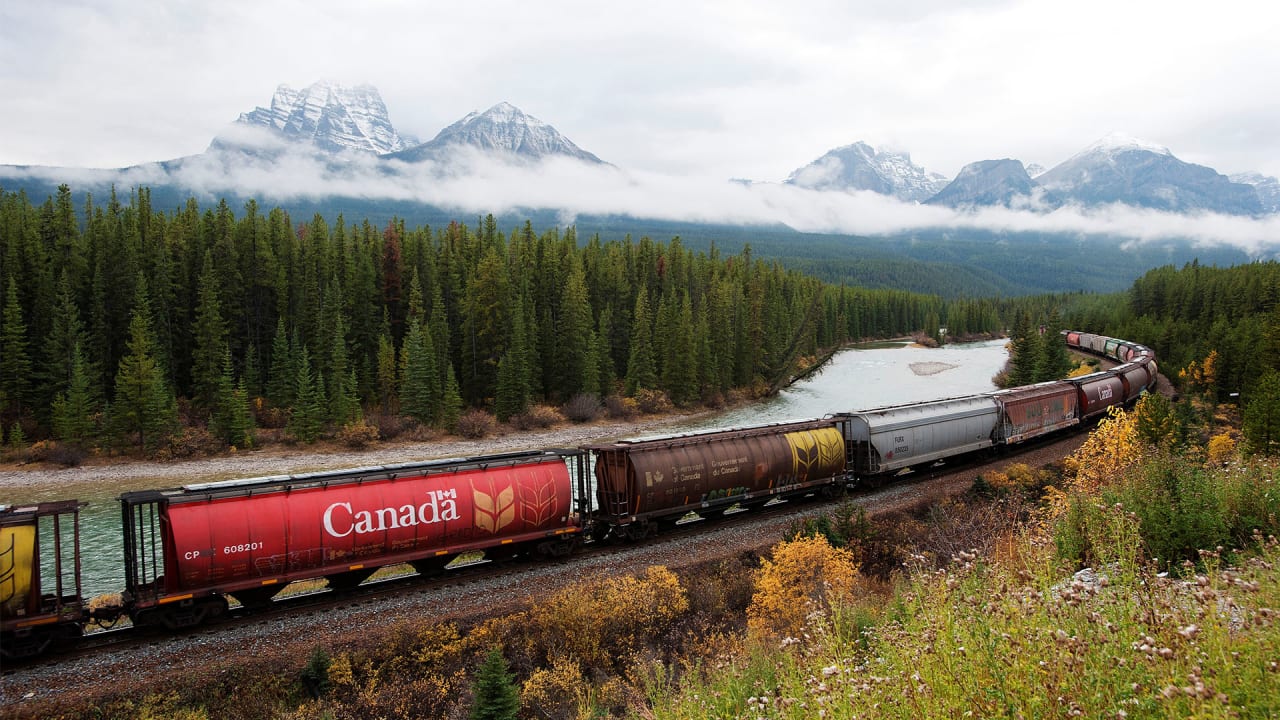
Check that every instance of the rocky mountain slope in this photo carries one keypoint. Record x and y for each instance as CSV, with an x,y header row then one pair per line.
x,y
861,167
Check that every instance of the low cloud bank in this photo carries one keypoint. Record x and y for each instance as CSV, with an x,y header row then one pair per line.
x,y
474,183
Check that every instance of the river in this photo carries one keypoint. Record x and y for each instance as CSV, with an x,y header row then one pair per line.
x,y
873,376
857,379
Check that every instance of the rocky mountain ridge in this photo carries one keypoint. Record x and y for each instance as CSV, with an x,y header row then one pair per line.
x,y
327,117
339,125
1115,169
861,167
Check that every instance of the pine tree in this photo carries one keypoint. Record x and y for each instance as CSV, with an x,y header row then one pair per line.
x,y
230,420
307,418
495,694
418,391
209,343
73,410
1261,420
680,376
1054,362
708,361
574,329
485,325
388,384
438,331
607,374
17,439
663,324
15,362
252,375
343,403
511,396
451,401
66,338
591,366
415,312
641,373
931,326
283,378
1024,352
143,405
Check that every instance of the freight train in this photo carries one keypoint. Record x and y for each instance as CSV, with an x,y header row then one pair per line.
x,y
188,550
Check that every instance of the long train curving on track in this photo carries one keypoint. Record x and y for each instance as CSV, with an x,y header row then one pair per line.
x,y
188,550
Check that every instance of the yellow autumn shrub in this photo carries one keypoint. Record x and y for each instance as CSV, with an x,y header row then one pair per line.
x,y
604,623
1222,447
1201,377
1111,448
806,576
1082,370
558,691
1014,478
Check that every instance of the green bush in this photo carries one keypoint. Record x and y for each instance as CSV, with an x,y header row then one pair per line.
x,y
315,674
1178,509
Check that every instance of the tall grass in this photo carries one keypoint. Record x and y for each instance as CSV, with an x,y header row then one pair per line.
x,y
1174,614
1017,638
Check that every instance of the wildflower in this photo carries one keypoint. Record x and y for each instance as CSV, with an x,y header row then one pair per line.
x,y
1189,631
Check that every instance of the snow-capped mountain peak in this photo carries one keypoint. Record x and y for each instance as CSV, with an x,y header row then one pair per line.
x,y
503,129
1122,169
994,182
503,113
1267,187
1117,142
328,116
860,167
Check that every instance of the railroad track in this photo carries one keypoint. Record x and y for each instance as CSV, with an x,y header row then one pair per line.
x,y
323,603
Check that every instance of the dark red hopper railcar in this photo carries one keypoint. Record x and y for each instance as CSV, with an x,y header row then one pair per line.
x,y
665,478
189,546
1034,410
1098,391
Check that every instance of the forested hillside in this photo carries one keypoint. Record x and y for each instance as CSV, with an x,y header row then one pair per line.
x,y
1187,313
948,262
123,323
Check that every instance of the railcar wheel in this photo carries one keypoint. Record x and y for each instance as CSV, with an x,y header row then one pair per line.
x,y
25,646
600,531
636,532
190,613
832,491
558,548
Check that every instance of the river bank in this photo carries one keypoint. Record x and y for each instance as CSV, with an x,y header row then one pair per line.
x,y
289,459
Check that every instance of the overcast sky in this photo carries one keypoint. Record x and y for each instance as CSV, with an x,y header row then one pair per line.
x,y
689,89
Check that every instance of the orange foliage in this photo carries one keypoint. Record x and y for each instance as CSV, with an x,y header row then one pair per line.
x,y
1201,376
1222,448
806,576
606,623
1110,450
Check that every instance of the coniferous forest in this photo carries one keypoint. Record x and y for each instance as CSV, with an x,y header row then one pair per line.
x,y
125,325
